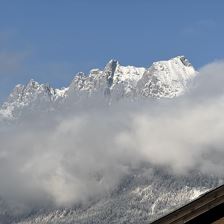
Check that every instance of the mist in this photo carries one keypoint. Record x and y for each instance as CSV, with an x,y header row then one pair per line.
x,y
81,153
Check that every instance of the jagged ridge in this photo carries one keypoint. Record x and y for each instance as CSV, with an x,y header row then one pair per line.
x,y
162,79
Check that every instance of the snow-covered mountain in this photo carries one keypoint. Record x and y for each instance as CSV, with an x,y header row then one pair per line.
x,y
31,95
144,193
162,79
141,197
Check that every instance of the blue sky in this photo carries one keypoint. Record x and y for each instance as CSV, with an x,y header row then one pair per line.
x,y
51,40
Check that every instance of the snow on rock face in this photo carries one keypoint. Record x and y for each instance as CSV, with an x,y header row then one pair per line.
x,y
126,77
167,78
163,79
108,80
31,95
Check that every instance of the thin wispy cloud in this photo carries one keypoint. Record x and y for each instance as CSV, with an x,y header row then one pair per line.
x,y
199,28
11,62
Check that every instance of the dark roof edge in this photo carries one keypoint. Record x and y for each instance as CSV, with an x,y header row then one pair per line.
x,y
216,192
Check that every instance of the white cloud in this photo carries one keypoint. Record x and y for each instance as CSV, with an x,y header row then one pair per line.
x,y
72,156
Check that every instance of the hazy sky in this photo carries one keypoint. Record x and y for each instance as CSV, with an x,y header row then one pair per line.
x,y
51,40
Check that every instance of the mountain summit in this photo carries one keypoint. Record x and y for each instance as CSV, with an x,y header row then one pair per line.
x,y
80,157
163,79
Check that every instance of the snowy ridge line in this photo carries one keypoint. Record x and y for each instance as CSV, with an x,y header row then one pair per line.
x,y
163,79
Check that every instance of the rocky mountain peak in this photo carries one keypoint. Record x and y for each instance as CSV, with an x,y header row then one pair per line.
x,y
168,79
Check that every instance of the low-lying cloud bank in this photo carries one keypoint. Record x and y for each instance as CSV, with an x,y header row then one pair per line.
x,y
72,156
